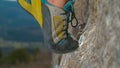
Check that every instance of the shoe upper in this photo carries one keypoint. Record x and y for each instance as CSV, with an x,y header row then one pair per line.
x,y
58,23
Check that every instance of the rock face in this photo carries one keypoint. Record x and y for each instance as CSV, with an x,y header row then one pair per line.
x,y
99,39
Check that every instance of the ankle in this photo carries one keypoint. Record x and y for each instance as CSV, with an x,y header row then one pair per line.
x,y
57,3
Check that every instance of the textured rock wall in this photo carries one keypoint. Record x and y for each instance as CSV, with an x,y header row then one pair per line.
x,y
99,40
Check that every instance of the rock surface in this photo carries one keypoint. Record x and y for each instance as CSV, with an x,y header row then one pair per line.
x,y
100,39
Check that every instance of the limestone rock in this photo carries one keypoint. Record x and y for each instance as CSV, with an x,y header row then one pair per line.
x,y
99,38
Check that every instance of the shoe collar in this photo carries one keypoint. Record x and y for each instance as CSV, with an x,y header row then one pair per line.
x,y
44,1
67,7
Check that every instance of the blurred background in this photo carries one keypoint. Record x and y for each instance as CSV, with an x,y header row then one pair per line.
x,y
21,40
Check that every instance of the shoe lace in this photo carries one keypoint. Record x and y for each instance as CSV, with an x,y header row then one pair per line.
x,y
70,16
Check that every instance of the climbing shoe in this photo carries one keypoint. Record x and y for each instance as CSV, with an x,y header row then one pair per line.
x,y
55,29
54,24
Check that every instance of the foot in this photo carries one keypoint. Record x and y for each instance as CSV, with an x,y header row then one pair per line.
x,y
55,29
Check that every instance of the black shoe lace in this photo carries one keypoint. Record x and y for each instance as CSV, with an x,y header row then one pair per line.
x,y
70,16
